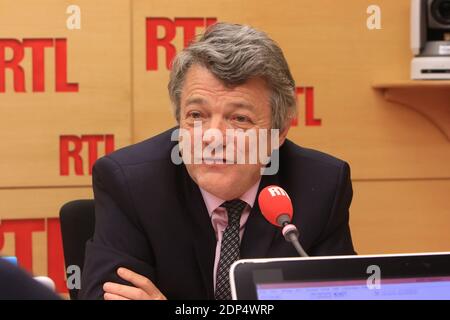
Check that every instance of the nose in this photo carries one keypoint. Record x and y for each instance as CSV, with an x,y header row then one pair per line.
x,y
216,123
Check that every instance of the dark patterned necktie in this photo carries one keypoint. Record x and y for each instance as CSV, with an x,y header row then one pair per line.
x,y
229,249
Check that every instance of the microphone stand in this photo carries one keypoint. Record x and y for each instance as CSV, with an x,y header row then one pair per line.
x,y
290,233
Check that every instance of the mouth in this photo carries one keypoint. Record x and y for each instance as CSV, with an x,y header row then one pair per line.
x,y
214,161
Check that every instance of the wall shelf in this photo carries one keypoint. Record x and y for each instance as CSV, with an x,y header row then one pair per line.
x,y
429,98
385,85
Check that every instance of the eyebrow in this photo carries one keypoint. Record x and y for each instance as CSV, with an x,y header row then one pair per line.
x,y
242,105
201,101
195,100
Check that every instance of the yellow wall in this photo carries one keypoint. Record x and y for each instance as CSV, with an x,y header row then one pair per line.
x,y
396,140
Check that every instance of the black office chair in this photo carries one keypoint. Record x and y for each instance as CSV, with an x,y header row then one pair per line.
x,y
77,227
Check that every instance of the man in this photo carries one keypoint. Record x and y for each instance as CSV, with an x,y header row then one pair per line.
x,y
166,229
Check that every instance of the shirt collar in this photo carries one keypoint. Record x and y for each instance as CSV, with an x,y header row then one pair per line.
x,y
212,202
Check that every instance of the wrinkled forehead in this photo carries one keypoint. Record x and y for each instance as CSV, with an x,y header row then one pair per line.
x,y
201,85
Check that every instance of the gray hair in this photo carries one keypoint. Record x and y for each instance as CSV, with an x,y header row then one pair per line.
x,y
235,53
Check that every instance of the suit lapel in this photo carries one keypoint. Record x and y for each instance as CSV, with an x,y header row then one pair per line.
x,y
259,233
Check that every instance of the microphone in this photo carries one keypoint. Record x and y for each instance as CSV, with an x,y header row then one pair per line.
x,y
276,207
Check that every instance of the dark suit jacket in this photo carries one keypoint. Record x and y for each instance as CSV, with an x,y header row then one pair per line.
x,y
151,218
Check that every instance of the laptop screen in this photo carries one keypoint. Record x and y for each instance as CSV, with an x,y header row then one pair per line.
x,y
421,276
431,288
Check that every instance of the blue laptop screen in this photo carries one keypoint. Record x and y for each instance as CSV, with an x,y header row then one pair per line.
x,y
431,288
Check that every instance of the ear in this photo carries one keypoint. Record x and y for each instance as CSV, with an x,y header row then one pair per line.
x,y
284,132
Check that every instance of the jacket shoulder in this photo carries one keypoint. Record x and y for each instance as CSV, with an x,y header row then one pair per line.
x,y
157,148
296,155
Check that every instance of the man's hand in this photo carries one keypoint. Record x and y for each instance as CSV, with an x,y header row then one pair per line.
x,y
144,289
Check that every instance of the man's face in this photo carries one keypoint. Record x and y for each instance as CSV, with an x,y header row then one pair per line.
x,y
206,102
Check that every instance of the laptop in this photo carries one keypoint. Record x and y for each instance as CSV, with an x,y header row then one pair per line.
x,y
421,276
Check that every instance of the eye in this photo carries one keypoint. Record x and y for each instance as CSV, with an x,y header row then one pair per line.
x,y
241,118
194,115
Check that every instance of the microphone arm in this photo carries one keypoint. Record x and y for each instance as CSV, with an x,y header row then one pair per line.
x,y
290,233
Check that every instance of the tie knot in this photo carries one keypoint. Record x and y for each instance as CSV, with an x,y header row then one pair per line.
x,y
234,209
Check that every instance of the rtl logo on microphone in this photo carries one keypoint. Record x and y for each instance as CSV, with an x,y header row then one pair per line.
x,y
12,54
277,191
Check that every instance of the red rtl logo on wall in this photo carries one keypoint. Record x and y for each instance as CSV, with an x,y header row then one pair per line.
x,y
23,231
306,94
12,62
71,151
170,27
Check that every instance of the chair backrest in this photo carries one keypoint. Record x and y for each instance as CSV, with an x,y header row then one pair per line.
x,y
77,227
